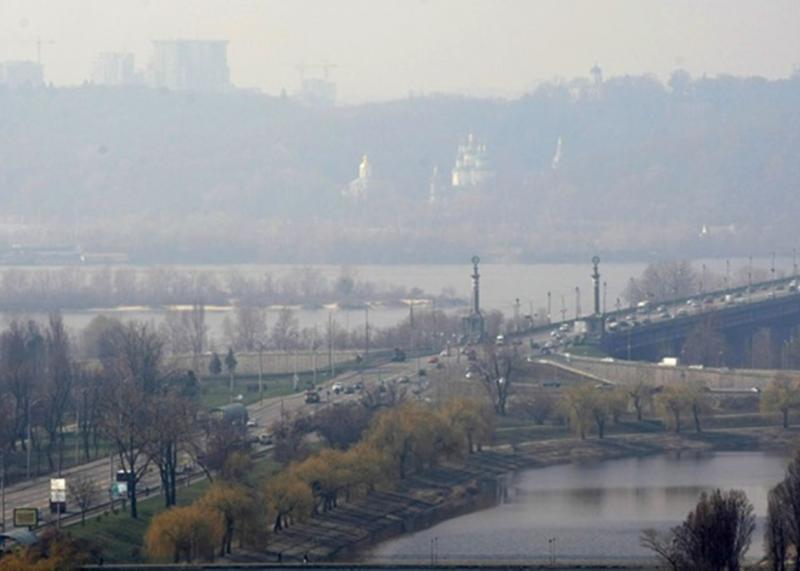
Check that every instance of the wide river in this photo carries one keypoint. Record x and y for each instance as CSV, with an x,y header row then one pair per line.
x,y
592,511
501,285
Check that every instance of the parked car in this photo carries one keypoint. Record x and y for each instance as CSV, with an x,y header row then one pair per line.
x,y
337,388
265,439
312,397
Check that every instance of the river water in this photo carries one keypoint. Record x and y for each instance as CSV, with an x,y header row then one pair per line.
x,y
501,286
592,511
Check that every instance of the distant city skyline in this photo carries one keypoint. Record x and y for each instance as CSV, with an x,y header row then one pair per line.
x,y
385,49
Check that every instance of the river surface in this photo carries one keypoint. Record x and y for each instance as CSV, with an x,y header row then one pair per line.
x,y
592,511
501,286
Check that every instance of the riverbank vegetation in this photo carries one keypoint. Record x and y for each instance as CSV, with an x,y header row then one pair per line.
x,y
80,287
396,442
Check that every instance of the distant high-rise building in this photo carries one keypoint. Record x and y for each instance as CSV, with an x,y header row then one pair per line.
x,y
114,69
16,74
472,168
190,65
597,75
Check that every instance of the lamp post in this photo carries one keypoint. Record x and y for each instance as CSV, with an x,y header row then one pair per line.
x,y
3,489
260,372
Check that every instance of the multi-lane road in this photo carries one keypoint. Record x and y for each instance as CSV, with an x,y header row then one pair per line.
x,y
36,492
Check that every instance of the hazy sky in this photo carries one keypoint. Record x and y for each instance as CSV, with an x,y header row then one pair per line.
x,y
386,48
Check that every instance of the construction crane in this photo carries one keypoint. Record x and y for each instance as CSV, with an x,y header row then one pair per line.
x,y
39,42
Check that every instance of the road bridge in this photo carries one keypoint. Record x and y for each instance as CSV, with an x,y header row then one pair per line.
x,y
739,314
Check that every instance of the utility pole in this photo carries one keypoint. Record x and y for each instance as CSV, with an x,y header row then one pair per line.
x,y
596,284
749,276
577,302
330,344
563,308
29,443
516,315
366,331
727,274
605,296
3,488
314,356
772,266
260,372
703,281
549,307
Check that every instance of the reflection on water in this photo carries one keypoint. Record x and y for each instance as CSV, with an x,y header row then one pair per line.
x,y
593,511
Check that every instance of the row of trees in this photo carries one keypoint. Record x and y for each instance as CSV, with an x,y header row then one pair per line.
x,y
589,408
673,279
378,450
127,399
86,287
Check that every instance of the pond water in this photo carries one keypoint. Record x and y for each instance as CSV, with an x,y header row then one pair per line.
x,y
592,511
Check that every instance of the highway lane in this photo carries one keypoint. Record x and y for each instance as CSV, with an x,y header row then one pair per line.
x,y
36,492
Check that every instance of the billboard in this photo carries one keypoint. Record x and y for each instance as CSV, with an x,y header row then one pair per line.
x,y
58,490
26,517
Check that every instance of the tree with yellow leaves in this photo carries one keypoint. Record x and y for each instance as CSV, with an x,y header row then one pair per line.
x,y
411,435
471,419
233,505
288,499
576,405
184,533
365,466
326,473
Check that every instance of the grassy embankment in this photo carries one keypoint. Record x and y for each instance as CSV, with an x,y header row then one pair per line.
x,y
122,538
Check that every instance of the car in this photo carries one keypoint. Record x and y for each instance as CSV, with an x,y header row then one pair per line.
x,y
471,375
500,340
402,380
265,439
337,388
433,360
682,313
551,384
349,389
444,353
312,397
252,423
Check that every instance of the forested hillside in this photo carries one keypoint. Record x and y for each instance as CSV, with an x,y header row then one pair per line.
x,y
174,176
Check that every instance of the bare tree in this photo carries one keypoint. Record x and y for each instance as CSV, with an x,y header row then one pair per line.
x,y
126,424
640,394
84,491
495,370
22,363
172,432
790,504
285,332
715,535
663,281
776,533
56,392
133,368
249,328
